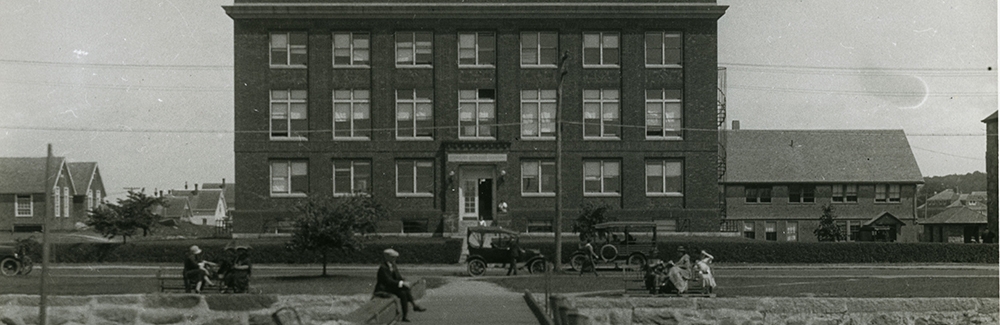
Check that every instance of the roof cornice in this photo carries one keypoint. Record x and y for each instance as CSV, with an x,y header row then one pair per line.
x,y
547,10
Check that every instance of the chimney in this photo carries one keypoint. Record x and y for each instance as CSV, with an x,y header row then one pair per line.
x,y
736,125
185,185
161,193
223,183
195,187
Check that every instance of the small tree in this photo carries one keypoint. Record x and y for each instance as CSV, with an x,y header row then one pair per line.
x,y
324,225
828,230
591,214
126,217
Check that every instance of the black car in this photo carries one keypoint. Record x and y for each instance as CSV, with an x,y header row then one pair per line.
x,y
491,245
13,262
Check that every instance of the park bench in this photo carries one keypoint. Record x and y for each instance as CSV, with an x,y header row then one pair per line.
x,y
170,283
635,285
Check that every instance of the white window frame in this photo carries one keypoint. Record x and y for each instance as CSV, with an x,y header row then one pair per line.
x,y
67,202
602,47
603,177
412,164
414,48
663,103
289,48
413,104
663,168
538,48
98,200
290,168
771,228
662,50
56,202
18,208
791,231
477,48
843,191
353,164
540,98
886,191
603,102
538,168
357,99
288,101
353,49
478,103
90,199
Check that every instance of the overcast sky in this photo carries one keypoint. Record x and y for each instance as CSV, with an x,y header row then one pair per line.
x,y
144,88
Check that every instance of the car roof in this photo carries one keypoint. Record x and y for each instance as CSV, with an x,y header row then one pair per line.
x,y
492,230
614,224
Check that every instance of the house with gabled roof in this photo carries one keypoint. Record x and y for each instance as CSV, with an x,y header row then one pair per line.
x,y
956,224
228,191
208,206
175,209
23,184
776,182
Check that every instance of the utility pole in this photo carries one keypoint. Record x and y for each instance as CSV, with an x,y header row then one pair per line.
x,y
557,225
49,184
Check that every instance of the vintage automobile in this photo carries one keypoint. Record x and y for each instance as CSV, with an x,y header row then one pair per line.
x,y
489,245
14,262
621,241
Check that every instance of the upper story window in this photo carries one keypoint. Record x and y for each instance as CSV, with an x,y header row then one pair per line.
x,y
600,49
351,114
601,177
288,49
351,49
663,49
601,116
414,178
289,117
351,177
538,177
887,193
757,193
802,193
663,114
476,49
56,202
66,202
414,114
289,178
538,113
844,193
477,113
414,49
539,49
23,206
664,178
90,199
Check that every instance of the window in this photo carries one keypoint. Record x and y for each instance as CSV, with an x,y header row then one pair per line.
x,y
56,202
791,231
600,114
854,229
600,49
97,198
351,49
289,116
288,49
24,206
771,231
476,113
351,114
351,177
289,177
538,177
90,199
663,114
414,49
729,226
414,113
663,177
539,49
601,177
476,49
66,201
844,193
887,193
415,177
538,113
663,49
748,230
801,193
757,193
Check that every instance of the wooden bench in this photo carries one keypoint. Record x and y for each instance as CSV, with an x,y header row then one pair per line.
x,y
176,283
635,285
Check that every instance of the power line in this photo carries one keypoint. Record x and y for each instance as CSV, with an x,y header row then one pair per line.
x,y
805,69
118,66
948,154
866,92
117,87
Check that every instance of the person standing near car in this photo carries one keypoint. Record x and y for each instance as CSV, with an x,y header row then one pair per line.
x,y
588,250
513,253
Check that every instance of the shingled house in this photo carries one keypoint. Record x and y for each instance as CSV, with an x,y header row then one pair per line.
x,y
76,188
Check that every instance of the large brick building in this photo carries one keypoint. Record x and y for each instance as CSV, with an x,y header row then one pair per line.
x,y
445,111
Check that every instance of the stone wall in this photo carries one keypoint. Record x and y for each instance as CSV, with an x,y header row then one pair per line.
x,y
179,309
787,310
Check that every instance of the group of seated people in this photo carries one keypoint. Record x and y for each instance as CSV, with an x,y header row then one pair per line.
x,y
234,270
676,277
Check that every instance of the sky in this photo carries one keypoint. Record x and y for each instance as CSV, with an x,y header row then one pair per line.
x,y
145,88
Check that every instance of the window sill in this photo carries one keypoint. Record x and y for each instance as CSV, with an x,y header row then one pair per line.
x,y
472,66
538,66
538,138
417,66
586,138
478,138
758,203
29,216
289,195
648,138
289,139
602,195
855,202
601,66
888,202
670,194
342,66
415,139
293,67
351,194
538,194
415,195
351,139
663,66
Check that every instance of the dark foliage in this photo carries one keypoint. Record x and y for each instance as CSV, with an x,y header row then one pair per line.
x,y
124,219
591,213
828,230
326,224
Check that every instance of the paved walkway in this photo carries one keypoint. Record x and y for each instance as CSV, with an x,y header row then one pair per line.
x,y
463,302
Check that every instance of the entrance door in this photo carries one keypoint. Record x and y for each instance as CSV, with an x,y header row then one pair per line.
x,y
476,193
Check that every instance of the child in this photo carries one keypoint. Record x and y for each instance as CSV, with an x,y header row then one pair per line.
x,y
705,272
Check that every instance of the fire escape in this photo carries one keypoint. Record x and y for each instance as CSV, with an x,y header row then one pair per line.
x,y
721,120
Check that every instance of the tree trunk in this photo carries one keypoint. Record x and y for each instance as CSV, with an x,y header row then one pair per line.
x,y
324,262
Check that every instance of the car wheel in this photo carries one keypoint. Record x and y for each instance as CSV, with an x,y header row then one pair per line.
x,y
477,267
637,260
609,252
9,266
577,261
537,266
26,266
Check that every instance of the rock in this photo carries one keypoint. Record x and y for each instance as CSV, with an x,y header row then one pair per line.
x,y
117,315
240,302
172,301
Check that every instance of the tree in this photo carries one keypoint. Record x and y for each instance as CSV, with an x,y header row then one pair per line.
x,y
828,230
591,214
126,217
323,225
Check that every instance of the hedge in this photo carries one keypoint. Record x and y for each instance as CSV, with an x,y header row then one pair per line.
x,y
447,251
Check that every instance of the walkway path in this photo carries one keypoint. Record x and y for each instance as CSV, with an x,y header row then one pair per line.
x,y
464,301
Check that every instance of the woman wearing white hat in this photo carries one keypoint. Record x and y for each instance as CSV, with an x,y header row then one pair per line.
x,y
195,273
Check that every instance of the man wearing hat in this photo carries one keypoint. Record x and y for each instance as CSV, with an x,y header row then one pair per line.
x,y
390,281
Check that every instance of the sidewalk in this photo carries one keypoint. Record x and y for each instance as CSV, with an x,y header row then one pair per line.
x,y
462,302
